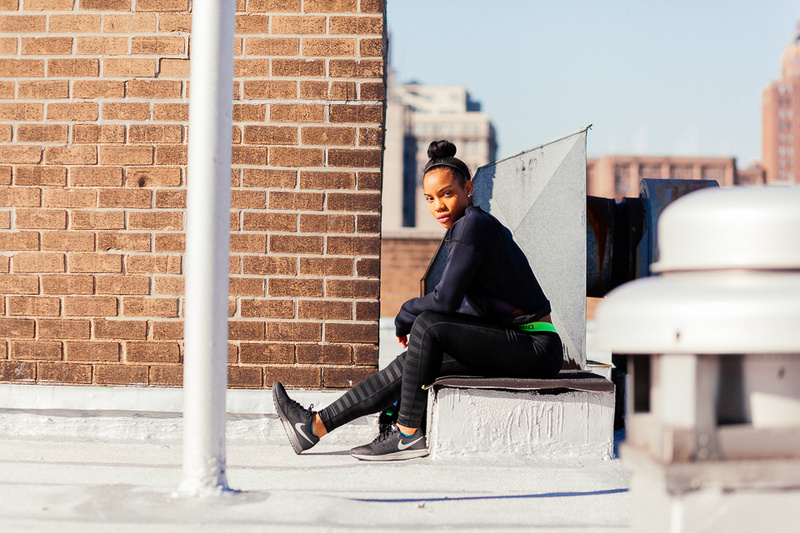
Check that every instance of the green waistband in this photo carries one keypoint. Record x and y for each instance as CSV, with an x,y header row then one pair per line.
x,y
537,326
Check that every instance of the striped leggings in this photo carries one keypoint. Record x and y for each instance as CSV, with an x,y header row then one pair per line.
x,y
446,344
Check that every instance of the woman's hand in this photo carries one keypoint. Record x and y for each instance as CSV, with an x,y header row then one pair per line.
x,y
403,340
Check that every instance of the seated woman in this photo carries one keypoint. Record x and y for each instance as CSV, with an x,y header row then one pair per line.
x,y
487,316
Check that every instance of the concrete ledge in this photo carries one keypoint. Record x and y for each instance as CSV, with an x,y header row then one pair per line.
x,y
469,422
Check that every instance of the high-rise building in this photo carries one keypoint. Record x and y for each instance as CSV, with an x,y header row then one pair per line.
x,y
780,102
417,115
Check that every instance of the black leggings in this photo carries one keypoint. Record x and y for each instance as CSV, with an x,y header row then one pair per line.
x,y
445,344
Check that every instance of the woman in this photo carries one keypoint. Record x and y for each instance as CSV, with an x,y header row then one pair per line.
x,y
502,329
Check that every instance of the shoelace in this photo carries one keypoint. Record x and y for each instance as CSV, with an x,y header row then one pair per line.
x,y
383,435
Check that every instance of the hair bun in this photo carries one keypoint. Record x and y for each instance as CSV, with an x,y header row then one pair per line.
x,y
441,149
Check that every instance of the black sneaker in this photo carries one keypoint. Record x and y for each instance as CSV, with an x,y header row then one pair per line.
x,y
392,446
297,421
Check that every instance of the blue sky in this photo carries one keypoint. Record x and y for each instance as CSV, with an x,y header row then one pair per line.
x,y
657,78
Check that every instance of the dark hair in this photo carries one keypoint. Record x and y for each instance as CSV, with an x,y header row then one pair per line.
x,y
442,154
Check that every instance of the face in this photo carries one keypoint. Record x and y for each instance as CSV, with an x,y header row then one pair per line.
x,y
447,198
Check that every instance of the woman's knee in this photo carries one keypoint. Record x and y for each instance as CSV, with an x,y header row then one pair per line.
x,y
426,319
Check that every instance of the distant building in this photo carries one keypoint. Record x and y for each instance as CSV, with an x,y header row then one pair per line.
x,y
619,176
416,115
780,102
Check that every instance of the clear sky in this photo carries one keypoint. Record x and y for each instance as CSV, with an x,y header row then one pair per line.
x,y
680,77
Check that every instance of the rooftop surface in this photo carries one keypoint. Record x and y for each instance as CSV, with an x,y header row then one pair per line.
x,y
49,484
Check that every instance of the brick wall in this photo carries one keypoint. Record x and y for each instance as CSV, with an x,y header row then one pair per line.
x,y
403,263
93,121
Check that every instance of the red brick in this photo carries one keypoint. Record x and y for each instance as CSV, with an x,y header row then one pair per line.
x,y
69,198
171,330
248,199
249,155
86,219
292,287
255,353
156,220
291,6
354,202
37,262
293,376
130,23
45,89
355,26
173,285
329,136
19,240
272,46
152,89
75,155
296,201
166,375
302,25
129,242
64,373
23,23
16,371
125,155
298,67
371,48
269,265
136,198
94,262
274,178
71,68
8,46
171,199
351,333
294,331
73,111
249,112
152,352
164,46
98,133
328,47
48,5
244,377
270,135
261,221
245,330
68,241
170,112
310,179
327,223
5,175
354,246
33,306
368,224
327,310
155,133
326,266
170,242
330,6
370,137
171,155
46,45
359,114
41,219
123,284
94,351
283,156
120,329
173,68
170,23
365,355
352,288
20,154
17,328
29,68
314,90
19,197
371,268
67,284
262,308
372,91
330,354
129,67
126,111
121,374
162,5
102,46
161,307
268,89
353,68
154,264
344,377
295,244
55,328
90,306
42,133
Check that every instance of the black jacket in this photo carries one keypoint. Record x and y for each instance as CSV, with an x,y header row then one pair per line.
x,y
486,268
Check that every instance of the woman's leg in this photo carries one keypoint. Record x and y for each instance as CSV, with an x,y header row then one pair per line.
x,y
484,348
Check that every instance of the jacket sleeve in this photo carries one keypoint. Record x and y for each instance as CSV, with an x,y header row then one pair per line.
x,y
463,262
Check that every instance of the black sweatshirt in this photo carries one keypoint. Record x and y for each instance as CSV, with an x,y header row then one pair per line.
x,y
485,266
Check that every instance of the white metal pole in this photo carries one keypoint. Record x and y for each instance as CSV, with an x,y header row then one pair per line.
x,y
206,263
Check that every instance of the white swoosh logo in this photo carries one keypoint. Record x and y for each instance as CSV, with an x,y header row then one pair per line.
x,y
299,428
401,446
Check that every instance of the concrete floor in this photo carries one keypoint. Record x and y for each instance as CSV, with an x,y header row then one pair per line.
x,y
62,485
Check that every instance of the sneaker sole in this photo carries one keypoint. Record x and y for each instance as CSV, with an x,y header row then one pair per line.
x,y
287,426
395,456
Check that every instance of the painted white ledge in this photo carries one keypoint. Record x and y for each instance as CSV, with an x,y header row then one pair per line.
x,y
143,399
